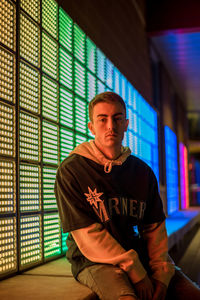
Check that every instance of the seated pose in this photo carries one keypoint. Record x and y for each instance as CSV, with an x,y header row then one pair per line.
x,y
108,201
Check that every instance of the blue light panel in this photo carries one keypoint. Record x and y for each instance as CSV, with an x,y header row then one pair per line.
x,y
171,170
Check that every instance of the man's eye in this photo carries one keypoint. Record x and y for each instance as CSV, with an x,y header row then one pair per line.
x,y
103,120
118,119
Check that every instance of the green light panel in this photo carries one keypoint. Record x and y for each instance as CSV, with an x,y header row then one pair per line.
x,y
7,24
79,43
79,139
52,235
49,143
30,188
7,132
49,199
7,187
30,240
100,87
91,86
101,59
49,98
8,247
64,237
66,143
50,17
66,107
91,55
29,137
80,88
109,73
7,75
65,68
29,88
32,7
65,30
49,56
80,115
29,40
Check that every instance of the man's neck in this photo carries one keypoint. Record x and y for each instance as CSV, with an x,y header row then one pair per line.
x,y
111,153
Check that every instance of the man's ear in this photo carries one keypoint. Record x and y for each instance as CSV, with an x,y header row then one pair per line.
x,y
126,125
91,127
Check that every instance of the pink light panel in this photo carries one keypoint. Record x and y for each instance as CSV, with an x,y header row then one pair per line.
x,y
184,176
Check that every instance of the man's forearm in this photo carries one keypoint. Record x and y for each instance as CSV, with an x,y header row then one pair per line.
x,y
97,244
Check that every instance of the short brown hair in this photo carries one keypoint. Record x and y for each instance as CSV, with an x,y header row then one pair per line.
x,y
105,97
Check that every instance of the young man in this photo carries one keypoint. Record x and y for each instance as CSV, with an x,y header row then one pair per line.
x,y
103,193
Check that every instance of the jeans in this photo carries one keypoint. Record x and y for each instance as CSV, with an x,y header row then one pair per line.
x,y
110,283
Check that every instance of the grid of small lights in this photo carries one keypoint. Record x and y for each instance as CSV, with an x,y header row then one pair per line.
x,y
184,176
79,43
100,87
29,40
32,7
29,137
49,56
100,65
49,200
91,86
65,68
80,112
30,240
65,30
49,98
7,75
117,81
79,139
66,142
49,142
109,73
7,187
141,136
50,17
79,80
52,235
7,133
7,23
8,245
66,107
29,188
171,170
91,55
29,88
64,245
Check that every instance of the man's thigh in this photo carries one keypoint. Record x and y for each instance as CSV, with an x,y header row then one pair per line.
x,y
107,281
182,288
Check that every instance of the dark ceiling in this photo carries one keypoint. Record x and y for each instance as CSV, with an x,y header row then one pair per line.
x,y
174,29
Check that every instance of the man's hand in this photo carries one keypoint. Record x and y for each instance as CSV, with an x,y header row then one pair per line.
x,y
144,289
160,290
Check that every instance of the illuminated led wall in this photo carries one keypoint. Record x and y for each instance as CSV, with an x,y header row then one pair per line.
x,y
184,176
49,71
171,170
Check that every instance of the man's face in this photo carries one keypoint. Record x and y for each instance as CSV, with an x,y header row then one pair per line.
x,y
108,125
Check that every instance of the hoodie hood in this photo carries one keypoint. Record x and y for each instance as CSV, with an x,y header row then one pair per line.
x,y
90,150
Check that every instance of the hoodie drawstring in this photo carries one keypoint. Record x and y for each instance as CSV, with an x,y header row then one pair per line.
x,y
108,166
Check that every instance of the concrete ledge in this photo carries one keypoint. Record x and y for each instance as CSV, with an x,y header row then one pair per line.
x,y
179,223
29,287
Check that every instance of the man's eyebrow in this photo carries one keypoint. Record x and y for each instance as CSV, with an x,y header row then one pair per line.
x,y
105,115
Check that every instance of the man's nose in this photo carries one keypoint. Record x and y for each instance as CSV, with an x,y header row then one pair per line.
x,y
111,124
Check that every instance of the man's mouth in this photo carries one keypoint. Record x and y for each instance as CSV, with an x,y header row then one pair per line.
x,y
111,135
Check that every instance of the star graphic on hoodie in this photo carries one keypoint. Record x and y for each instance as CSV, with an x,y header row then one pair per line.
x,y
93,197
